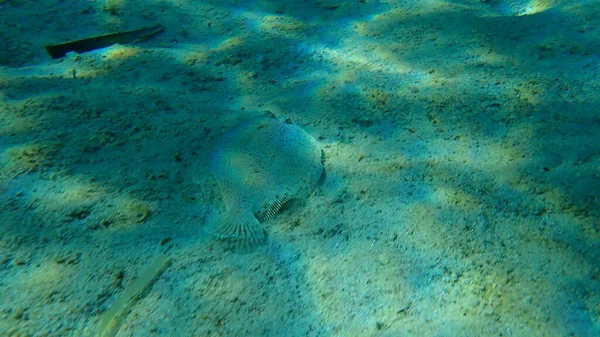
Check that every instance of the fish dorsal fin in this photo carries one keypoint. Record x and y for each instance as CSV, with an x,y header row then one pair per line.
x,y
209,189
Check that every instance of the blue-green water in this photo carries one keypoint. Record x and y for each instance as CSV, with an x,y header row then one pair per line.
x,y
461,158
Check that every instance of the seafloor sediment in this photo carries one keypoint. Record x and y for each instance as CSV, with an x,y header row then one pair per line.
x,y
461,156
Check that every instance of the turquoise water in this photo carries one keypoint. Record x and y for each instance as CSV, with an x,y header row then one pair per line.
x,y
461,159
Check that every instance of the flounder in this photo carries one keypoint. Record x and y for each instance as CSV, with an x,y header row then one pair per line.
x,y
252,170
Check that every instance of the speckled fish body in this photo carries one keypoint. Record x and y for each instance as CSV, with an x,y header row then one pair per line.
x,y
252,170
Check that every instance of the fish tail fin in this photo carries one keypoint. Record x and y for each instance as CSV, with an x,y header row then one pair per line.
x,y
236,227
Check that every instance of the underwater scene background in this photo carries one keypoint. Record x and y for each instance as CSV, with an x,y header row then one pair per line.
x,y
460,146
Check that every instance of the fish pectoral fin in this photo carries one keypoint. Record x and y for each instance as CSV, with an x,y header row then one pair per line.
x,y
271,208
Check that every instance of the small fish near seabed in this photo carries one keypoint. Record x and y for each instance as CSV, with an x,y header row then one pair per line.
x,y
102,41
252,170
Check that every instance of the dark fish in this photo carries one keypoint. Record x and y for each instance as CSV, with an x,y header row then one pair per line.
x,y
102,41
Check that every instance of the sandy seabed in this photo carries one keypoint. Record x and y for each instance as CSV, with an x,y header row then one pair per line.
x,y
461,195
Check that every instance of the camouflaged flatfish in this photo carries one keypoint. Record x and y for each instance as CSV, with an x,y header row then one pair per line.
x,y
252,170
